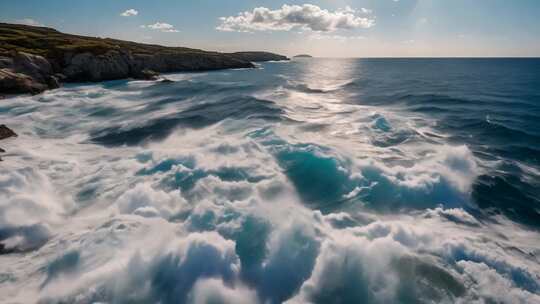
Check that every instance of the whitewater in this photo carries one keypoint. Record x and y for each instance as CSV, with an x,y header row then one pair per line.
x,y
310,181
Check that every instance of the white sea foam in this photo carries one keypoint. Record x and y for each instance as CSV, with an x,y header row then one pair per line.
x,y
222,212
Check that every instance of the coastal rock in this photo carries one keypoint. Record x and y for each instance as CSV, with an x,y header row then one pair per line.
x,y
146,75
89,67
18,83
52,57
174,62
6,132
5,62
32,65
26,73
53,82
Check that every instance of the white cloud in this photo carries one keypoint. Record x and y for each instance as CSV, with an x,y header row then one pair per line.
x,y
29,21
366,11
130,12
161,26
304,17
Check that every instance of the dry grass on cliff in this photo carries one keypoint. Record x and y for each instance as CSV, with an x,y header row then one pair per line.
x,y
53,44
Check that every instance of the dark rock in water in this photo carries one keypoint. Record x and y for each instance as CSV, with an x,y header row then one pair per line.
x,y
146,75
6,132
18,83
166,80
51,57
3,249
53,82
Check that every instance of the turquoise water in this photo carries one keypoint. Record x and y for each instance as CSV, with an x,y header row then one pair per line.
x,y
311,181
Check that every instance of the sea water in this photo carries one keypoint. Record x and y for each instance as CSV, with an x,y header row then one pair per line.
x,y
310,181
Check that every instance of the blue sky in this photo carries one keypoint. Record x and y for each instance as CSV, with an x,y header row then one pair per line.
x,y
340,28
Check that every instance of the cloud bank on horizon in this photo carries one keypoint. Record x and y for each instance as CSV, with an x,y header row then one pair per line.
x,y
304,17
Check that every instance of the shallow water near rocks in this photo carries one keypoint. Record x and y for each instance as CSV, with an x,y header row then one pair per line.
x,y
315,180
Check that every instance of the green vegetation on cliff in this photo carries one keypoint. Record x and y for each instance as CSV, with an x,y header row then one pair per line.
x,y
33,59
52,44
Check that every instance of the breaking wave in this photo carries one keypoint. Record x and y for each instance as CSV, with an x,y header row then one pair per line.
x,y
321,181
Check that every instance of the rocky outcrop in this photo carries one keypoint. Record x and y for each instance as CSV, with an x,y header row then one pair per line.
x,y
5,132
26,73
146,75
89,67
34,59
125,64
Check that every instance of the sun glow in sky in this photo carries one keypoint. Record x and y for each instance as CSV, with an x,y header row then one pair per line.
x,y
342,28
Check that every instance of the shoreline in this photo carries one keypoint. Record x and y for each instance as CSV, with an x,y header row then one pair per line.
x,y
40,59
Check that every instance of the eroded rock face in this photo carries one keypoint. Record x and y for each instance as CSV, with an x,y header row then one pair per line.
x,y
26,73
75,58
89,67
120,64
18,83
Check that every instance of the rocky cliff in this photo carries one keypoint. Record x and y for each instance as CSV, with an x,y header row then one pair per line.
x,y
34,59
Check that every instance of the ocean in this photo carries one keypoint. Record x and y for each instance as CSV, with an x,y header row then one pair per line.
x,y
309,181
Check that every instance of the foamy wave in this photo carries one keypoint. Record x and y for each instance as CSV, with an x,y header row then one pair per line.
x,y
215,189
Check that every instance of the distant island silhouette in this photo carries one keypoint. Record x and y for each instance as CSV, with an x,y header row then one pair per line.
x,y
303,56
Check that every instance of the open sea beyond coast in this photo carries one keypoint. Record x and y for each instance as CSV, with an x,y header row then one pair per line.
x,y
309,181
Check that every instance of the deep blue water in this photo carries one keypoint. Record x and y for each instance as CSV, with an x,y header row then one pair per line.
x,y
315,180
490,105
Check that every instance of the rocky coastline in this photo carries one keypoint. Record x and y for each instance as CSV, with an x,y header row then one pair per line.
x,y
5,133
35,59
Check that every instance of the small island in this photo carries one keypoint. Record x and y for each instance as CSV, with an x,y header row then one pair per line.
x,y
303,56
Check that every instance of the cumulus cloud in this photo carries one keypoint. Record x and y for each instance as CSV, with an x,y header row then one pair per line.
x,y
162,27
304,17
130,12
366,11
29,21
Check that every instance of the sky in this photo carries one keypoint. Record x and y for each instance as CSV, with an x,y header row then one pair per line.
x,y
339,28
